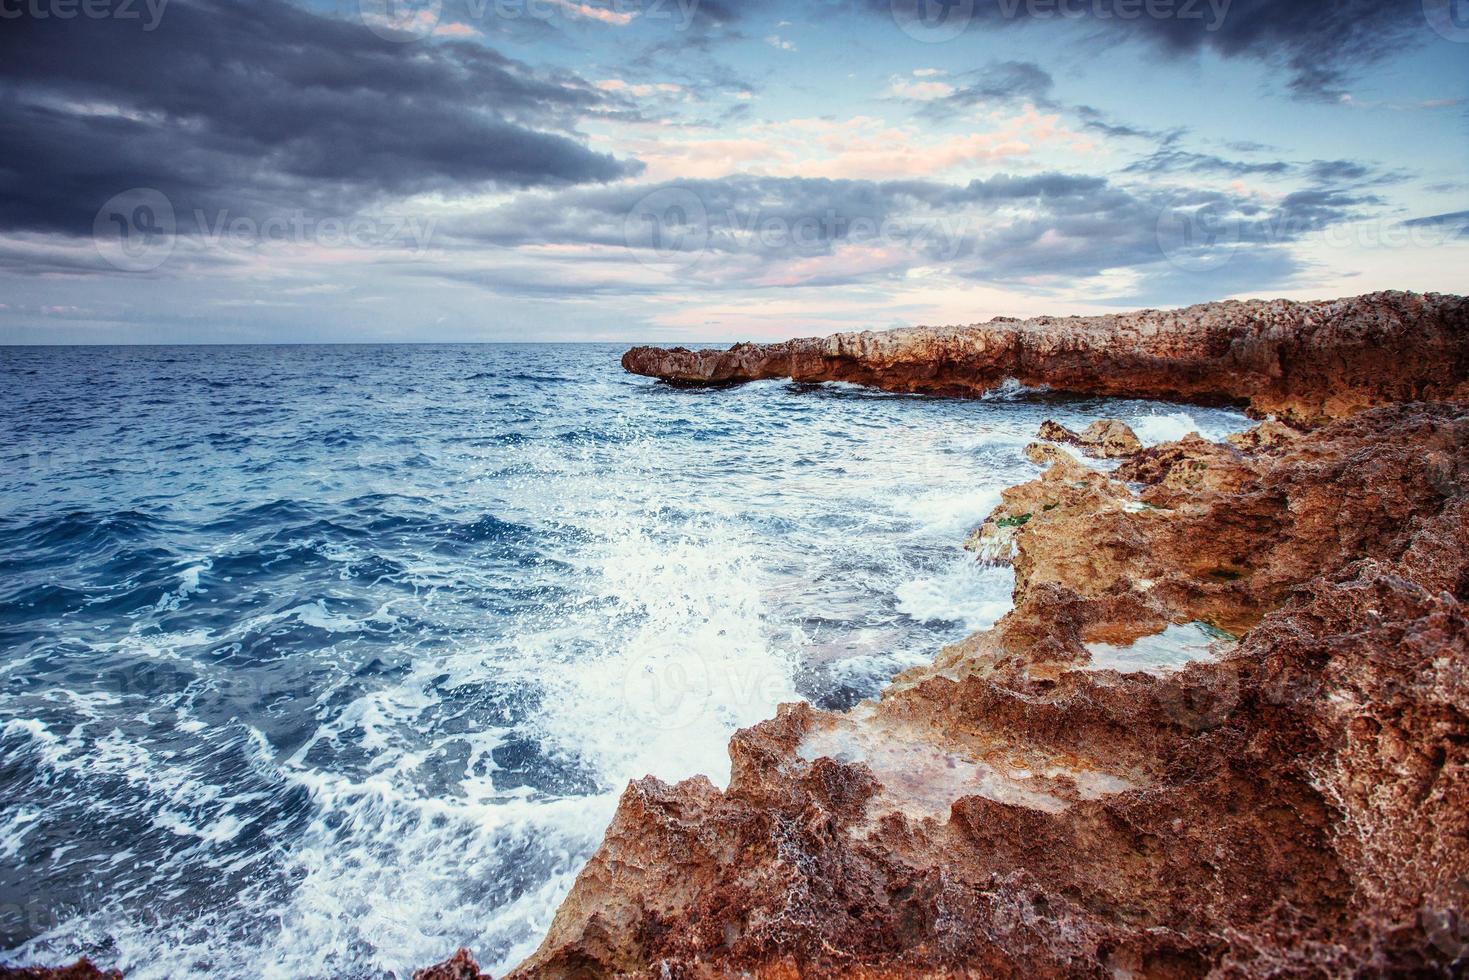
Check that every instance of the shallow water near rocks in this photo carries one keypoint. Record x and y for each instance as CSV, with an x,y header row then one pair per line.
x,y
1174,648
324,661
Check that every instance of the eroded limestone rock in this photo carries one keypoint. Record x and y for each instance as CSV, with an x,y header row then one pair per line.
x,y
1103,439
460,966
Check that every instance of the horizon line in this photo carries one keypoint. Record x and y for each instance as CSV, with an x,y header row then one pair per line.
x,y
370,343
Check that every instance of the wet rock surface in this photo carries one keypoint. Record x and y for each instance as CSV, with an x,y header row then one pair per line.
x,y
460,966
82,969
1103,439
1304,361
1294,804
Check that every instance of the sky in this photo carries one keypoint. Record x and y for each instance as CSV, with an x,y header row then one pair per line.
x,y
672,171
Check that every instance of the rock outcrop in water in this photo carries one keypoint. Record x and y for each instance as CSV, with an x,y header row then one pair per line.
x,y
1305,361
1296,803
460,966
1103,439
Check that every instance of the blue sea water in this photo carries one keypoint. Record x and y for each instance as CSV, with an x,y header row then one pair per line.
x,y
325,661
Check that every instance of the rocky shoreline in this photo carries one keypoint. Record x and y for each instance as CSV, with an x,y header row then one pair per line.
x,y
1296,803
1293,802
1290,799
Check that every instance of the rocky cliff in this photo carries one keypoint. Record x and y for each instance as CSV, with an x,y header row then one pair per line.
x,y
1293,802
1306,361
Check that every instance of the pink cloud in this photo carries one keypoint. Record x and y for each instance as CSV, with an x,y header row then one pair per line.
x,y
639,90
845,262
589,12
861,147
707,158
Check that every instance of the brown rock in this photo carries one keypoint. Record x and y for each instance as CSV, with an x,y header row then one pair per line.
x,y
1191,463
1109,439
1297,807
1046,454
82,969
1103,439
1266,435
1052,431
460,966
1307,362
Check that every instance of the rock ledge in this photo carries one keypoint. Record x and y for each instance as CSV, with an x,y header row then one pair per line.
x,y
1309,362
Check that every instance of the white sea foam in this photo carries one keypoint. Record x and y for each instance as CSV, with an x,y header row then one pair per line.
x,y
950,512
964,592
1154,429
1157,427
1011,390
372,864
188,585
316,614
664,696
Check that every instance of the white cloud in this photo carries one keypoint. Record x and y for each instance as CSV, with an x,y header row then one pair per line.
x,y
921,91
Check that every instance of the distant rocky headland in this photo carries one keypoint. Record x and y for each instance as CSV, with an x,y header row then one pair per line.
x,y
1302,361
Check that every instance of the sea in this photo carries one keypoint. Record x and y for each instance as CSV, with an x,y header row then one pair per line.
x,y
324,661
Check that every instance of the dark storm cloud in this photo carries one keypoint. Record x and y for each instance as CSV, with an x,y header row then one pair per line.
x,y
258,106
1458,221
1002,82
1318,43
709,25
1172,160
547,282
1118,227
1175,161
606,216
1338,171
1250,146
714,14
1096,121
